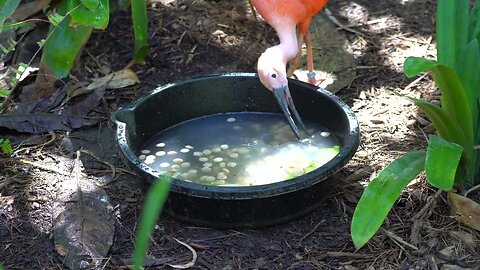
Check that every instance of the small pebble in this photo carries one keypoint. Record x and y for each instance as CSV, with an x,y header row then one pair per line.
x,y
184,150
171,153
197,154
177,160
142,157
231,164
203,159
206,169
325,134
160,145
164,165
145,151
234,155
216,150
185,165
224,146
189,146
218,159
231,119
160,153
207,152
207,164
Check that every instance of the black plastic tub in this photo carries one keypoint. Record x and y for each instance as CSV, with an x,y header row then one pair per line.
x,y
236,207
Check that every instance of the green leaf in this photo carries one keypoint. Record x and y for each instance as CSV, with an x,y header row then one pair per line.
x,y
6,9
474,26
62,47
82,15
140,29
91,4
6,147
380,195
4,93
154,201
441,162
415,65
452,30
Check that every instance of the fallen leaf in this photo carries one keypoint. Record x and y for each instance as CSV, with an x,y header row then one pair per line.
x,y
465,210
26,10
39,123
83,223
115,80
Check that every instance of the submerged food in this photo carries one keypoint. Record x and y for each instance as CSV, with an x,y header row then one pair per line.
x,y
239,149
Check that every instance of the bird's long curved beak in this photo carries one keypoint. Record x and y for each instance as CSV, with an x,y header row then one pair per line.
x,y
285,101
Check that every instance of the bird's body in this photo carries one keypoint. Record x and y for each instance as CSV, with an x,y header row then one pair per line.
x,y
285,16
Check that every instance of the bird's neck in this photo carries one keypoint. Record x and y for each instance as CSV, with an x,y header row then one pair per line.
x,y
288,41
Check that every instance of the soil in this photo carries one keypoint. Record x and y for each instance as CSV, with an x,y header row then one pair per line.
x,y
195,38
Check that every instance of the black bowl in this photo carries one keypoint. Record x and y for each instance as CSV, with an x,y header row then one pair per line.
x,y
234,207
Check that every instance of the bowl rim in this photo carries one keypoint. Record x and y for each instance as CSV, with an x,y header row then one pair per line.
x,y
241,192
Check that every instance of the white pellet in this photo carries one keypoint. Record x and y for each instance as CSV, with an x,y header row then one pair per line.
x,y
160,153
234,155
221,177
203,159
237,128
210,178
219,182
160,145
192,171
142,157
224,146
184,150
149,161
207,152
150,157
325,134
145,151
204,178
185,175
216,150
185,165
225,170
243,150
222,164
206,169
218,159
171,153
189,146
197,154
231,164
164,165
231,119
175,167
177,160
207,164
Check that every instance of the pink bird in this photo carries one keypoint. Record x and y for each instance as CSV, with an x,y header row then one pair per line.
x,y
285,16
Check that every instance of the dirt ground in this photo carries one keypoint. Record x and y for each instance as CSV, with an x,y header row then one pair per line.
x,y
200,37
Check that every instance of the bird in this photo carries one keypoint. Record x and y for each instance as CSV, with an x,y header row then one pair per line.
x,y
286,17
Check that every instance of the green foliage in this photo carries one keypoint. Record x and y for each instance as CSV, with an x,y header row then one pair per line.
x,y
7,7
450,158
92,13
154,201
382,193
140,29
5,147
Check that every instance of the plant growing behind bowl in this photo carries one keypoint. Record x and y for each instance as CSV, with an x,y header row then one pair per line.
x,y
449,159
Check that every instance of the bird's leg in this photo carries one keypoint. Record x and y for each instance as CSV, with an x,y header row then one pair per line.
x,y
295,63
311,71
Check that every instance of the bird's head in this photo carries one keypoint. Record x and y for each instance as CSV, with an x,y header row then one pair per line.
x,y
271,69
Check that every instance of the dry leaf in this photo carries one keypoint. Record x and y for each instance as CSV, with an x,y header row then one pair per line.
x,y
465,210
84,225
115,80
26,10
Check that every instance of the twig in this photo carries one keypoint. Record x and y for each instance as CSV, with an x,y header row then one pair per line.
x,y
310,232
191,263
471,190
417,80
346,254
101,161
398,240
36,165
427,205
342,26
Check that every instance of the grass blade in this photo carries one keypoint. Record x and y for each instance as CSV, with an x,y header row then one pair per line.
x,y
441,162
154,201
380,195
140,29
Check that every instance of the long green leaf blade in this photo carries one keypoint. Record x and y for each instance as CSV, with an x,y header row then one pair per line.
x,y
416,65
441,162
86,16
474,27
154,201
380,195
6,9
140,29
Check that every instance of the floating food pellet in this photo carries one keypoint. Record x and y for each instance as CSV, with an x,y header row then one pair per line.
x,y
219,182
210,178
237,128
160,153
189,146
192,171
150,157
207,152
221,177
175,167
243,150
225,170
160,145
185,165
222,164
224,146
171,153
149,161
185,175
216,150
325,134
142,157
197,154
218,159
145,151
203,159
231,164
231,119
164,164
207,164
177,160
206,169
234,155
184,150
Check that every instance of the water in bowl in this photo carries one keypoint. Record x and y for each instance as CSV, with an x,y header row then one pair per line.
x,y
238,149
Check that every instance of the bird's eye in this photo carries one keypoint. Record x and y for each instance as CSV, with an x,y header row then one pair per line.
x,y
274,75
